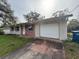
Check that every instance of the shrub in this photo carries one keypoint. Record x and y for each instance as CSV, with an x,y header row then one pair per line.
x,y
1,32
69,35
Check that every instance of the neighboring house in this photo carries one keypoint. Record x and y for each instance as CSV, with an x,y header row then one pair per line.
x,y
51,28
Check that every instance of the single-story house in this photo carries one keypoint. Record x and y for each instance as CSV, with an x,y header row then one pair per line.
x,y
55,27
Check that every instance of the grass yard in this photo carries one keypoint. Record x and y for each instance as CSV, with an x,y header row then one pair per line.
x,y
71,49
9,43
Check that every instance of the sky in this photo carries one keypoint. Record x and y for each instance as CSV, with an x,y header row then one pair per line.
x,y
44,7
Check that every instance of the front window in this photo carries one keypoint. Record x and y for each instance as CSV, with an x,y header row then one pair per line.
x,y
17,28
12,28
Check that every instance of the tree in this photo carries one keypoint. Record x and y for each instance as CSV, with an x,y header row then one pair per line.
x,y
61,13
73,25
6,14
32,16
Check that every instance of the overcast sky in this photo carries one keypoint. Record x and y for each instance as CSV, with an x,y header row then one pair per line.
x,y
44,7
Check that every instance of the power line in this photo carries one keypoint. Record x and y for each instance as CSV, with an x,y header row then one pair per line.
x,y
75,8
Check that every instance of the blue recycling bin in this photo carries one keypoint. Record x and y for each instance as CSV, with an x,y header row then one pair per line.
x,y
76,36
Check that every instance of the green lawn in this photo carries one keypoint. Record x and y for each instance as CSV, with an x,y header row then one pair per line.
x,y
71,49
9,43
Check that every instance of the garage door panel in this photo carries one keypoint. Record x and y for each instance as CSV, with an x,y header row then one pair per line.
x,y
49,30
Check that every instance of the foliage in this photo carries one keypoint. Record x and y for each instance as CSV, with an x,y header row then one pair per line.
x,y
61,13
69,35
71,49
6,14
73,25
9,43
32,16
1,31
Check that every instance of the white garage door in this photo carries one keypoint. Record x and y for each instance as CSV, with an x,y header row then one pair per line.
x,y
49,30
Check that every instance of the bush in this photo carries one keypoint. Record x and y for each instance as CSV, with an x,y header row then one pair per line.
x,y
1,32
69,35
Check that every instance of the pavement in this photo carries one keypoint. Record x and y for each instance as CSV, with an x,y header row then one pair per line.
x,y
40,49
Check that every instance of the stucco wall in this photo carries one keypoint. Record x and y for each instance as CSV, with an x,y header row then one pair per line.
x,y
8,31
63,30
24,31
37,30
52,30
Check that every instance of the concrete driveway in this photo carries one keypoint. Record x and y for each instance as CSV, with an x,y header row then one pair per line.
x,y
40,49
